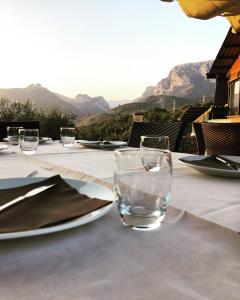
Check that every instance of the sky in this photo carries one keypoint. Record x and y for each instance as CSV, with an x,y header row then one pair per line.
x,y
108,48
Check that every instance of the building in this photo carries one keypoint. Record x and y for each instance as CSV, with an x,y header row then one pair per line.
x,y
226,71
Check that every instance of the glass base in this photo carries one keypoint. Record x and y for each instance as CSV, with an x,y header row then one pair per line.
x,y
142,227
14,144
30,152
68,145
142,223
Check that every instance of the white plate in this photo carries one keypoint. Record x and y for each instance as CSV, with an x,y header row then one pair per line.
x,y
3,147
89,144
101,145
209,170
44,139
89,189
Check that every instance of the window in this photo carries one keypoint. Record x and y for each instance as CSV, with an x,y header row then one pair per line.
x,y
234,97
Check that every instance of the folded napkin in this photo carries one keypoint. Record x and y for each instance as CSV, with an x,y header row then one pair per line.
x,y
213,161
57,204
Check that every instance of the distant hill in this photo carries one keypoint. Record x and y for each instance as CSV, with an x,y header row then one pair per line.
x,y
115,103
162,102
186,80
86,104
44,99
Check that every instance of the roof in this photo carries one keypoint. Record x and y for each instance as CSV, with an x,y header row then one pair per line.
x,y
226,56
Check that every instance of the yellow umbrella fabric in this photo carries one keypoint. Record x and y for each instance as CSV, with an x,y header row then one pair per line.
x,y
206,9
235,23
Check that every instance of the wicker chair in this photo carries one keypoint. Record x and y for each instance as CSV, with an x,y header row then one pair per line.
x,y
199,137
222,138
174,130
24,124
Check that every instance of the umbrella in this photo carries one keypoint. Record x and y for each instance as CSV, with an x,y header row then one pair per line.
x,y
206,9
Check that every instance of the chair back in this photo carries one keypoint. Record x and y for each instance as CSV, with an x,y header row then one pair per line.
x,y
174,130
222,138
199,137
219,112
24,124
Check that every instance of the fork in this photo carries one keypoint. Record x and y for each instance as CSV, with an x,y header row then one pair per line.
x,y
231,164
33,174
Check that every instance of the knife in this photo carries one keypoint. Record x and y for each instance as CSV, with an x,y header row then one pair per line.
x,y
228,162
27,195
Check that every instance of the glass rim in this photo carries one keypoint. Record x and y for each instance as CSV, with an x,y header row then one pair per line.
x,y
17,127
28,129
67,128
138,150
155,136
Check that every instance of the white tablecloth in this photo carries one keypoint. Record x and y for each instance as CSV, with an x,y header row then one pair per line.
x,y
195,255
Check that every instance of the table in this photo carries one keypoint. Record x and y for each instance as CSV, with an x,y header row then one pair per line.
x,y
232,117
228,120
195,255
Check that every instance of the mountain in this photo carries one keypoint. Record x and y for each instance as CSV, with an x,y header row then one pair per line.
x,y
168,102
95,104
150,103
86,104
115,103
186,80
149,91
44,99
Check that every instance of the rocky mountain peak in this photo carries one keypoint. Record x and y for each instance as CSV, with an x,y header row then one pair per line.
x,y
186,80
98,101
34,86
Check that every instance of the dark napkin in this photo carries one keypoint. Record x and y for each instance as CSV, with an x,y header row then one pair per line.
x,y
57,204
212,162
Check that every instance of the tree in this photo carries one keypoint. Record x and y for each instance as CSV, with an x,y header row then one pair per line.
x,y
50,121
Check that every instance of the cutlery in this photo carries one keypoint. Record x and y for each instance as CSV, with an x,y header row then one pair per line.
x,y
27,195
33,174
228,162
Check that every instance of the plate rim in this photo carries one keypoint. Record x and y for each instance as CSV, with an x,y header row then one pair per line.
x,y
99,145
211,169
4,147
76,222
44,139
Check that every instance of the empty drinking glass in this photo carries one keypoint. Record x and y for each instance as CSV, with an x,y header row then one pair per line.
x,y
13,135
153,141
67,136
142,184
29,140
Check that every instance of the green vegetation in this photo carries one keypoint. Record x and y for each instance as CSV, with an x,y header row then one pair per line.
x,y
113,125
117,125
50,121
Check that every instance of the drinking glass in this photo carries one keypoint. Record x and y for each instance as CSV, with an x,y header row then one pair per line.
x,y
142,185
67,136
13,135
153,141
29,140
